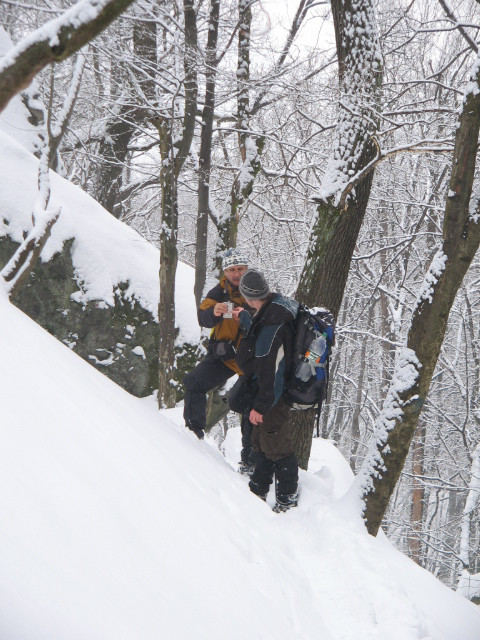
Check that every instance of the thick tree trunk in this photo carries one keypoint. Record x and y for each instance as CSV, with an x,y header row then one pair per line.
x,y
416,362
336,226
112,151
127,116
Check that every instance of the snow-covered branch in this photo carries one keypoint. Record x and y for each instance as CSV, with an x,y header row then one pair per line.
x,y
54,42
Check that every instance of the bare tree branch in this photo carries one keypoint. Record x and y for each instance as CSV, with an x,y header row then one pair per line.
x,y
460,28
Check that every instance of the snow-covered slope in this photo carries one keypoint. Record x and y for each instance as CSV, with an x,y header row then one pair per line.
x,y
105,251
118,524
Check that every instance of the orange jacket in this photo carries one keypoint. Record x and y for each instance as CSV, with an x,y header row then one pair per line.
x,y
222,328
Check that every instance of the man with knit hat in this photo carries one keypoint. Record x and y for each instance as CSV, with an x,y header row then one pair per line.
x,y
264,356
219,363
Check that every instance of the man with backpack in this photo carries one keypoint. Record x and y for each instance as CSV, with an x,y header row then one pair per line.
x,y
265,356
219,365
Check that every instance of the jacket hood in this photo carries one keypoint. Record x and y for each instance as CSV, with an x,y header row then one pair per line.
x,y
279,310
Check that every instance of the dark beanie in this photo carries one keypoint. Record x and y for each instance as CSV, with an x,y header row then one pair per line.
x,y
253,285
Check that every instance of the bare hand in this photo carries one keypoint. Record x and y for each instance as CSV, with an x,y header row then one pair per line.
x,y
220,308
255,417
236,311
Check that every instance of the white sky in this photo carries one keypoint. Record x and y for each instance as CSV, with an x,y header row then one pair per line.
x,y
315,31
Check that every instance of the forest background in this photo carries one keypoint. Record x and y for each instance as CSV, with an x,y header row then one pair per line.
x,y
329,150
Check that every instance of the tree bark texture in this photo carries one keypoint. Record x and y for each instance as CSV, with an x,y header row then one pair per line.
x,y
38,50
336,226
168,268
418,495
250,148
416,363
127,116
205,153
174,151
112,152
144,41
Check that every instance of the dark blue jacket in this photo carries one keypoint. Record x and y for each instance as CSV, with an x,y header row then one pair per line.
x,y
265,353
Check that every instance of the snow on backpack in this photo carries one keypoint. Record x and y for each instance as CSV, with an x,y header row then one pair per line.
x,y
306,387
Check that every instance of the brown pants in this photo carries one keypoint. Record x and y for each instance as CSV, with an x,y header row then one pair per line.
x,y
273,435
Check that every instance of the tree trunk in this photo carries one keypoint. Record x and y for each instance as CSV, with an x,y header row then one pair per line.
x,y
174,153
168,268
416,362
336,225
359,394
205,153
112,152
473,496
418,494
250,149
127,116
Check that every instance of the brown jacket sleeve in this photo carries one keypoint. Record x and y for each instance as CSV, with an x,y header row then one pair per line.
x,y
206,317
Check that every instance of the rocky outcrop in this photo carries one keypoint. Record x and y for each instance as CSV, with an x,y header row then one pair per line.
x,y
120,340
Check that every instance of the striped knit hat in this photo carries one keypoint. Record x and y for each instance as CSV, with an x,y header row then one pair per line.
x,y
233,257
253,285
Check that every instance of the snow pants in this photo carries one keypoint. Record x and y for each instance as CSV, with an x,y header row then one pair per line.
x,y
208,374
248,454
272,439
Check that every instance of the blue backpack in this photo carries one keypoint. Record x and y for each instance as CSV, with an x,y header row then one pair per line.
x,y
314,337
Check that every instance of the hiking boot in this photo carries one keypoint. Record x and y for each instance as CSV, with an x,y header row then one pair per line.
x,y
286,483
246,469
285,505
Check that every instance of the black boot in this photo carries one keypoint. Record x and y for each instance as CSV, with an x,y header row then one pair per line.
x,y
286,483
262,476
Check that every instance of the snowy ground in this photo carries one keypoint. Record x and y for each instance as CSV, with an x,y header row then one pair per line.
x,y
118,524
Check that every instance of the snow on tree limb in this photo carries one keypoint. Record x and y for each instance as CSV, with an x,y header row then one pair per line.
x,y
461,240
54,42
23,260
407,367
361,63
15,273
